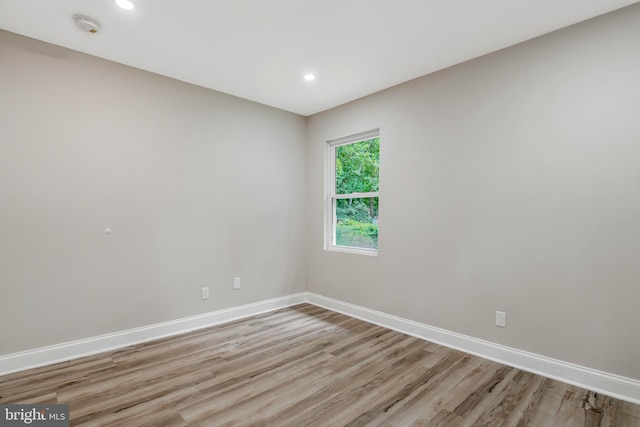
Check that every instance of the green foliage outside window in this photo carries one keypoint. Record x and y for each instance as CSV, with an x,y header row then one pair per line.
x,y
357,171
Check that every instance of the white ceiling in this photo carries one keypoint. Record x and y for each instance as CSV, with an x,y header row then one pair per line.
x,y
260,49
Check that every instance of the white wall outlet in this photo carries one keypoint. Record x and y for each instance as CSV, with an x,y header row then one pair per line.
x,y
501,319
236,283
205,292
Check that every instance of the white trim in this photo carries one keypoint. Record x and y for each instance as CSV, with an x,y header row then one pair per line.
x,y
356,195
331,197
601,382
353,250
358,137
329,205
86,347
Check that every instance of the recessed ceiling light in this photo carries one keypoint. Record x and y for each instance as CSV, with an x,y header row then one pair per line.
x,y
309,77
126,4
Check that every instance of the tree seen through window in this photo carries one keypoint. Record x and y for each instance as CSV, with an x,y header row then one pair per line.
x,y
357,167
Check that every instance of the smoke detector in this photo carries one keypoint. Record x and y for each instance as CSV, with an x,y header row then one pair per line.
x,y
86,23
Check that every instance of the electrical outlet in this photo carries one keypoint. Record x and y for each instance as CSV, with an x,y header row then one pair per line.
x,y
236,283
205,293
501,319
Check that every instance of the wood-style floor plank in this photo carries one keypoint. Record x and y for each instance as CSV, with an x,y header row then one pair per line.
x,y
306,366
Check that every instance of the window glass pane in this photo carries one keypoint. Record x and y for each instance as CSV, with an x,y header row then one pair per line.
x,y
357,222
357,167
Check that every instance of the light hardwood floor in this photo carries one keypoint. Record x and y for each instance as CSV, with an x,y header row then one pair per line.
x,y
302,366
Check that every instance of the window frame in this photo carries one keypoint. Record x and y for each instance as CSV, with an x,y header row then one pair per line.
x,y
331,197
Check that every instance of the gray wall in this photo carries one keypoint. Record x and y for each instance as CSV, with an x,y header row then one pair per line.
x,y
510,182
197,186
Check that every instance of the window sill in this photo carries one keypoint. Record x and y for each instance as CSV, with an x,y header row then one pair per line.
x,y
351,250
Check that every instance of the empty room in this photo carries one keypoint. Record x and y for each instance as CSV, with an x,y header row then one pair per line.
x,y
288,213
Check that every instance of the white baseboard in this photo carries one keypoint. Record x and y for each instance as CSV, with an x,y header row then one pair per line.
x,y
86,347
601,382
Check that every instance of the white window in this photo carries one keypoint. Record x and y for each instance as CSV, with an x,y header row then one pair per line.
x,y
352,203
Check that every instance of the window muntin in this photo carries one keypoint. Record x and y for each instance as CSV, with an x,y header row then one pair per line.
x,y
353,200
